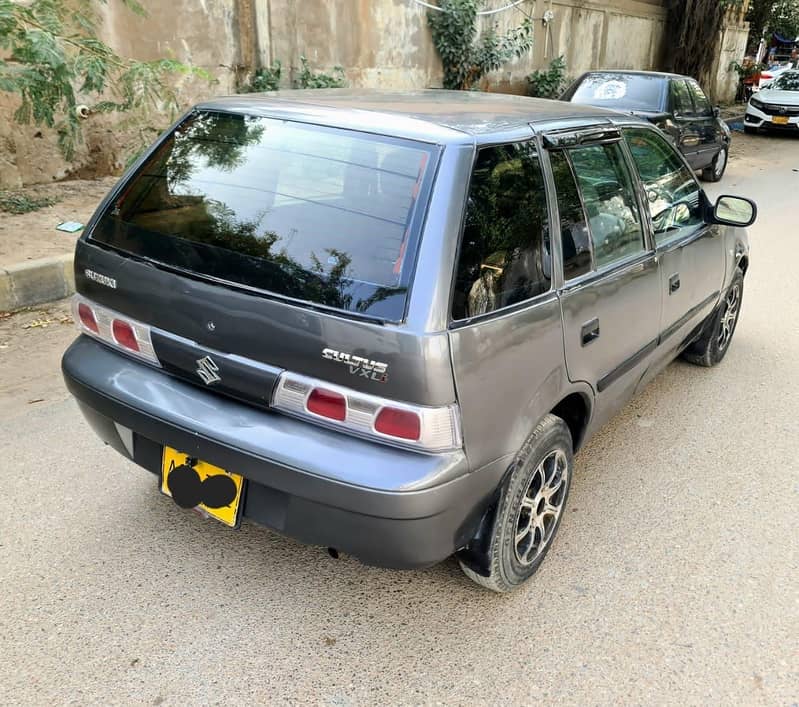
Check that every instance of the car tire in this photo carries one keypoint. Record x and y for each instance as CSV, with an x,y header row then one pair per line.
x,y
530,507
749,130
715,170
714,342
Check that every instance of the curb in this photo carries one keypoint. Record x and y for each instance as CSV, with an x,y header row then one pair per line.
x,y
36,281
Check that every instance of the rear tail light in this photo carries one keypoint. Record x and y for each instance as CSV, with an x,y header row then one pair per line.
x,y
328,404
86,317
403,424
114,329
124,335
430,429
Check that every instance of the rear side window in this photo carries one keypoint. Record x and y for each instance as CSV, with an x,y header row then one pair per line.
x,y
574,233
701,104
505,252
681,103
318,214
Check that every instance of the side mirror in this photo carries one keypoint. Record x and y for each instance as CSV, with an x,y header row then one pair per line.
x,y
734,211
716,111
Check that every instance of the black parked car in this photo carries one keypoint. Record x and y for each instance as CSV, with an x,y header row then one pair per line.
x,y
676,104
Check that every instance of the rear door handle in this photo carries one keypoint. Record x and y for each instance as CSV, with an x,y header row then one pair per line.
x,y
589,332
674,283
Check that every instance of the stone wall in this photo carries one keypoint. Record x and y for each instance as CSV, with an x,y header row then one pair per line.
x,y
380,43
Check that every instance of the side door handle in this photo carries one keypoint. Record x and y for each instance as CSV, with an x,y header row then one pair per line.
x,y
589,332
674,283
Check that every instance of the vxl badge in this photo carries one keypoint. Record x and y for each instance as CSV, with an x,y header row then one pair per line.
x,y
358,365
208,370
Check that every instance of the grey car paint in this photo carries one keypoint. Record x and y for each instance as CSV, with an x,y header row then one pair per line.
x,y
505,370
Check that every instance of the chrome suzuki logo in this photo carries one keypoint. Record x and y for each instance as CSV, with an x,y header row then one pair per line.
x,y
208,370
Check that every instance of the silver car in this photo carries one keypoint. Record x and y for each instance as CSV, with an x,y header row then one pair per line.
x,y
383,323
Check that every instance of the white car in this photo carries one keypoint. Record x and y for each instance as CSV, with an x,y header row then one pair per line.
x,y
776,106
768,75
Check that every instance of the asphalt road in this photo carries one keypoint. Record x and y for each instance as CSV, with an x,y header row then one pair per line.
x,y
675,577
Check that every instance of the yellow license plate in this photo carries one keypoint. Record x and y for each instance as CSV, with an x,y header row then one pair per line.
x,y
192,483
779,120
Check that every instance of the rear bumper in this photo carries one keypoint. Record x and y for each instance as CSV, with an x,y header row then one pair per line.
x,y
385,506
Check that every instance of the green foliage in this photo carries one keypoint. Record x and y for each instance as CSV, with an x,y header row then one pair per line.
x,y
54,60
311,79
768,16
746,70
264,79
21,203
466,56
549,82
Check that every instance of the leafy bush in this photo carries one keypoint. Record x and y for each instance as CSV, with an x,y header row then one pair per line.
x,y
549,82
263,79
52,52
20,203
311,79
465,56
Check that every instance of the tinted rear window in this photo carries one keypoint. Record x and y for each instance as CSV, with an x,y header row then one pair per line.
x,y
323,215
621,91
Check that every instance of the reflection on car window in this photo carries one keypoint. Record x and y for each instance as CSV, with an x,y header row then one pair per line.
x,y
574,234
671,189
620,91
789,81
701,104
609,199
318,214
505,253
681,98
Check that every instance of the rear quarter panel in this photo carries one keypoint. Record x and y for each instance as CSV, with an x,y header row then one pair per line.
x,y
509,372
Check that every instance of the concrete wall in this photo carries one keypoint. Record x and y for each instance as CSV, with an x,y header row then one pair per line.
x,y
387,42
380,43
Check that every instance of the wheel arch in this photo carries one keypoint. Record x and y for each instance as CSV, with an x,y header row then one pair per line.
x,y
575,410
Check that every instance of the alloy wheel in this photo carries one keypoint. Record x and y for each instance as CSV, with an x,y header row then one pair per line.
x,y
541,507
729,316
721,162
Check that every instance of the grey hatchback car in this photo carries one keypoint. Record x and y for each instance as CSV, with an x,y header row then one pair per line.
x,y
383,323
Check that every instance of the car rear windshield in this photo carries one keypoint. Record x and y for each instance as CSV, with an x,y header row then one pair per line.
x,y
322,215
621,91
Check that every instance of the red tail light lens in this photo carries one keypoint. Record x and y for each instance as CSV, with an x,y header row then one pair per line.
x,y
327,404
117,330
422,427
404,424
87,317
124,335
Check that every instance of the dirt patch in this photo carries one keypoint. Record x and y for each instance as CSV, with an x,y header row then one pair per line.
x,y
33,235
31,344
764,152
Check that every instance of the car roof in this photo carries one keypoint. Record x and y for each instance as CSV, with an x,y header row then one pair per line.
x,y
424,114
633,72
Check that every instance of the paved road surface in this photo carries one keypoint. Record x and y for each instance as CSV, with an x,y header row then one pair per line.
x,y
675,578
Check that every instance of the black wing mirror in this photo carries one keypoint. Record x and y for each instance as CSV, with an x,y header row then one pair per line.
x,y
716,111
734,211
